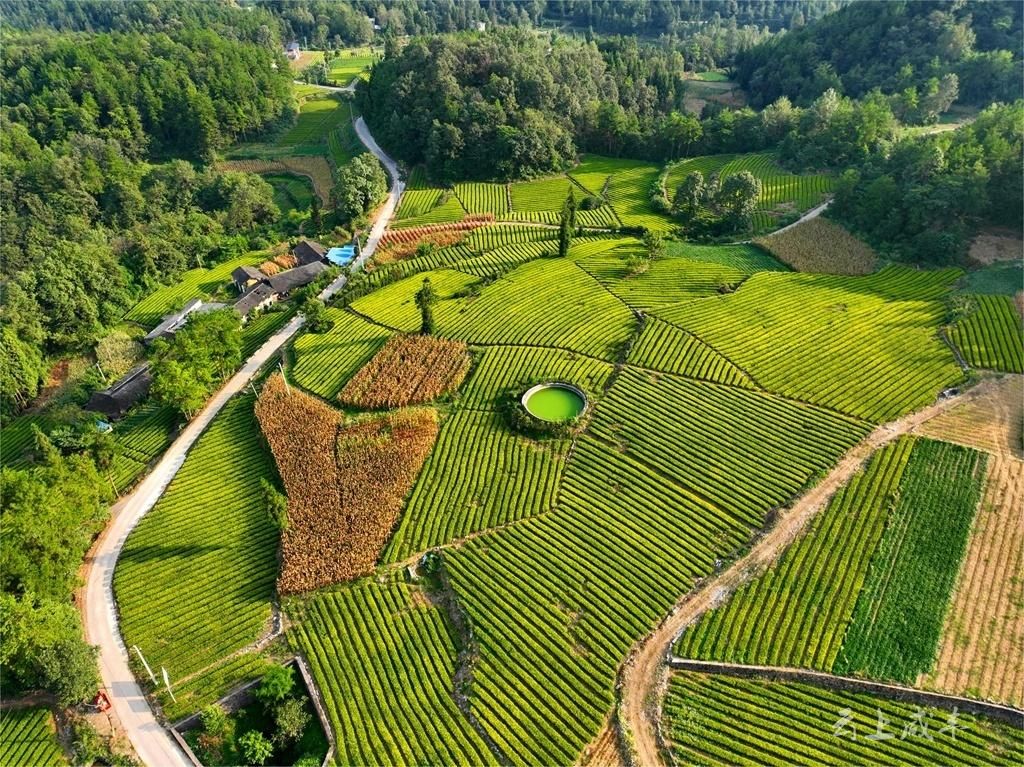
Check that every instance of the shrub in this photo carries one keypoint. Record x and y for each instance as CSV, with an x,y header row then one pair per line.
x,y
116,353
68,668
255,747
276,684
291,719
275,502
214,719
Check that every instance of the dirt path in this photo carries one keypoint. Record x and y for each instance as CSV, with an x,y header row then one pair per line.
x,y
645,671
812,213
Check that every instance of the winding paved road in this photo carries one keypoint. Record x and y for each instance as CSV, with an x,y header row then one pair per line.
x,y
130,708
644,673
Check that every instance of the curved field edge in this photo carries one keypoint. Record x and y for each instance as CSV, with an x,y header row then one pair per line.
x,y
28,738
211,523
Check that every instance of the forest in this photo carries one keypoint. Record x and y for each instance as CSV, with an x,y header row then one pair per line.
x,y
913,51
321,22
95,211
922,201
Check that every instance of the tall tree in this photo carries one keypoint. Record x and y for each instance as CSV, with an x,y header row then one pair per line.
x,y
425,298
738,198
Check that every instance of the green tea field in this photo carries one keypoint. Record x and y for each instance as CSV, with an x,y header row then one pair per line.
x,y
719,388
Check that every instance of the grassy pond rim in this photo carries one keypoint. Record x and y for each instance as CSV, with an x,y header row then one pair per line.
x,y
554,401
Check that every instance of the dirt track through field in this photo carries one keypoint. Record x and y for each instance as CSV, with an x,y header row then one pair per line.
x,y
645,671
991,422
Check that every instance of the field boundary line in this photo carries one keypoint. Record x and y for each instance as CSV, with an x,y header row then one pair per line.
x,y
637,314
372,321
821,406
642,675
1008,714
719,352
944,335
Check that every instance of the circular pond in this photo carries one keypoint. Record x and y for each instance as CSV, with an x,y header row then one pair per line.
x,y
554,402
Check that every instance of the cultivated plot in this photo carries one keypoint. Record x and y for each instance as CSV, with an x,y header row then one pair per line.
x,y
212,524
717,719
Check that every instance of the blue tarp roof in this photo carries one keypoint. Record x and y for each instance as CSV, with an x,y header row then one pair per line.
x,y
341,256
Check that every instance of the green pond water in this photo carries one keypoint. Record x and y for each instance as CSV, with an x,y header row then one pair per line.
x,y
555,404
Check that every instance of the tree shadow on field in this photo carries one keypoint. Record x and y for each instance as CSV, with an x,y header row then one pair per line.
x,y
159,553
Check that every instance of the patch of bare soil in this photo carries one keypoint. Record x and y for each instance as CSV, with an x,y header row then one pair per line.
x,y
982,649
604,750
992,246
63,373
693,106
991,422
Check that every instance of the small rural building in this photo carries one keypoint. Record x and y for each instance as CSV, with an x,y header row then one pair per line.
x,y
284,283
173,322
292,50
116,400
245,277
257,297
309,252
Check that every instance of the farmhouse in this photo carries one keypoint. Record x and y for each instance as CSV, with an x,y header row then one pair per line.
x,y
309,252
285,282
258,297
292,50
245,277
118,399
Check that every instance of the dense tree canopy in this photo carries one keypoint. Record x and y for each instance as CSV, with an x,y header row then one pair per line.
x,y
187,368
713,29
511,104
480,107
362,183
916,51
49,514
228,20
924,199
186,94
654,17
89,222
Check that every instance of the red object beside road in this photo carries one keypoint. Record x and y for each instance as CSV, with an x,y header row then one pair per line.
x,y
101,701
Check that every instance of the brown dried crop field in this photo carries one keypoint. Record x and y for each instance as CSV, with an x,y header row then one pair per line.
x,y
992,423
417,233
982,647
820,246
400,250
408,370
345,482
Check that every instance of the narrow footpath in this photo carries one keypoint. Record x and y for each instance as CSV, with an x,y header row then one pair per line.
x,y
129,707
